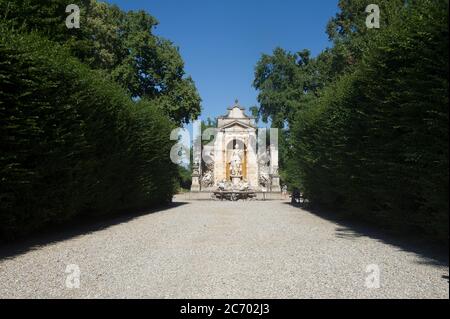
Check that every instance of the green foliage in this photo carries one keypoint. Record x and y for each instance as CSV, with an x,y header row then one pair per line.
x,y
72,142
284,82
349,32
121,43
185,178
368,119
376,143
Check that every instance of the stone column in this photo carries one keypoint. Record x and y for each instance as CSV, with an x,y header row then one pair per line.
x,y
219,172
195,186
275,183
197,157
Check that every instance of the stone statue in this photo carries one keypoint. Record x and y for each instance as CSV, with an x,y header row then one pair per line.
x,y
236,161
207,179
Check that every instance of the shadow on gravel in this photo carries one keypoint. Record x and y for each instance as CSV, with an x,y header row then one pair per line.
x,y
430,253
74,229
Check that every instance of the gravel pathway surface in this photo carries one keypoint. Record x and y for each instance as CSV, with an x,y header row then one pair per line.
x,y
208,249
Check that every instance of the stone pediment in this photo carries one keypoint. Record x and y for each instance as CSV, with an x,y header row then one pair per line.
x,y
237,124
237,119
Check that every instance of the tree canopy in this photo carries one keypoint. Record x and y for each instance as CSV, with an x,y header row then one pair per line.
x,y
120,43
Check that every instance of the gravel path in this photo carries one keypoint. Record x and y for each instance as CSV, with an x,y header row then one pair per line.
x,y
221,250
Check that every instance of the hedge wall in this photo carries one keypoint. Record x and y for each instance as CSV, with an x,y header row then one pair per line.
x,y
375,144
72,141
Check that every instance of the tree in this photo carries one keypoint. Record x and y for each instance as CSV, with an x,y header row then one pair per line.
x,y
284,82
349,32
120,43
366,121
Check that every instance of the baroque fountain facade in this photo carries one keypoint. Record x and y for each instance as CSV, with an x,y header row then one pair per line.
x,y
238,163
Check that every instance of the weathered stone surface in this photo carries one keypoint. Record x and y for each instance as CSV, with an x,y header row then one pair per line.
x,y
233,156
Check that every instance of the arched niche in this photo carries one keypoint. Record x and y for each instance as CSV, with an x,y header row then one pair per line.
x,y
229,149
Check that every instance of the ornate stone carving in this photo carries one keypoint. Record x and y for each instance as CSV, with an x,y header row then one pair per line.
x,y
208,175
195,169
195,187
264,171
230,161
236,161
207,179
230,191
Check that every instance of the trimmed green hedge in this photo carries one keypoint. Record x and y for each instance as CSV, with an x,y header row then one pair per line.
x,y
375,144
72,141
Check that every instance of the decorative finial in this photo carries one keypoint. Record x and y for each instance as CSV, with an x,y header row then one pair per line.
x,y
236,102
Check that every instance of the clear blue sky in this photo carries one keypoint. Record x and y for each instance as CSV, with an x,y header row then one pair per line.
x,y
221,40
